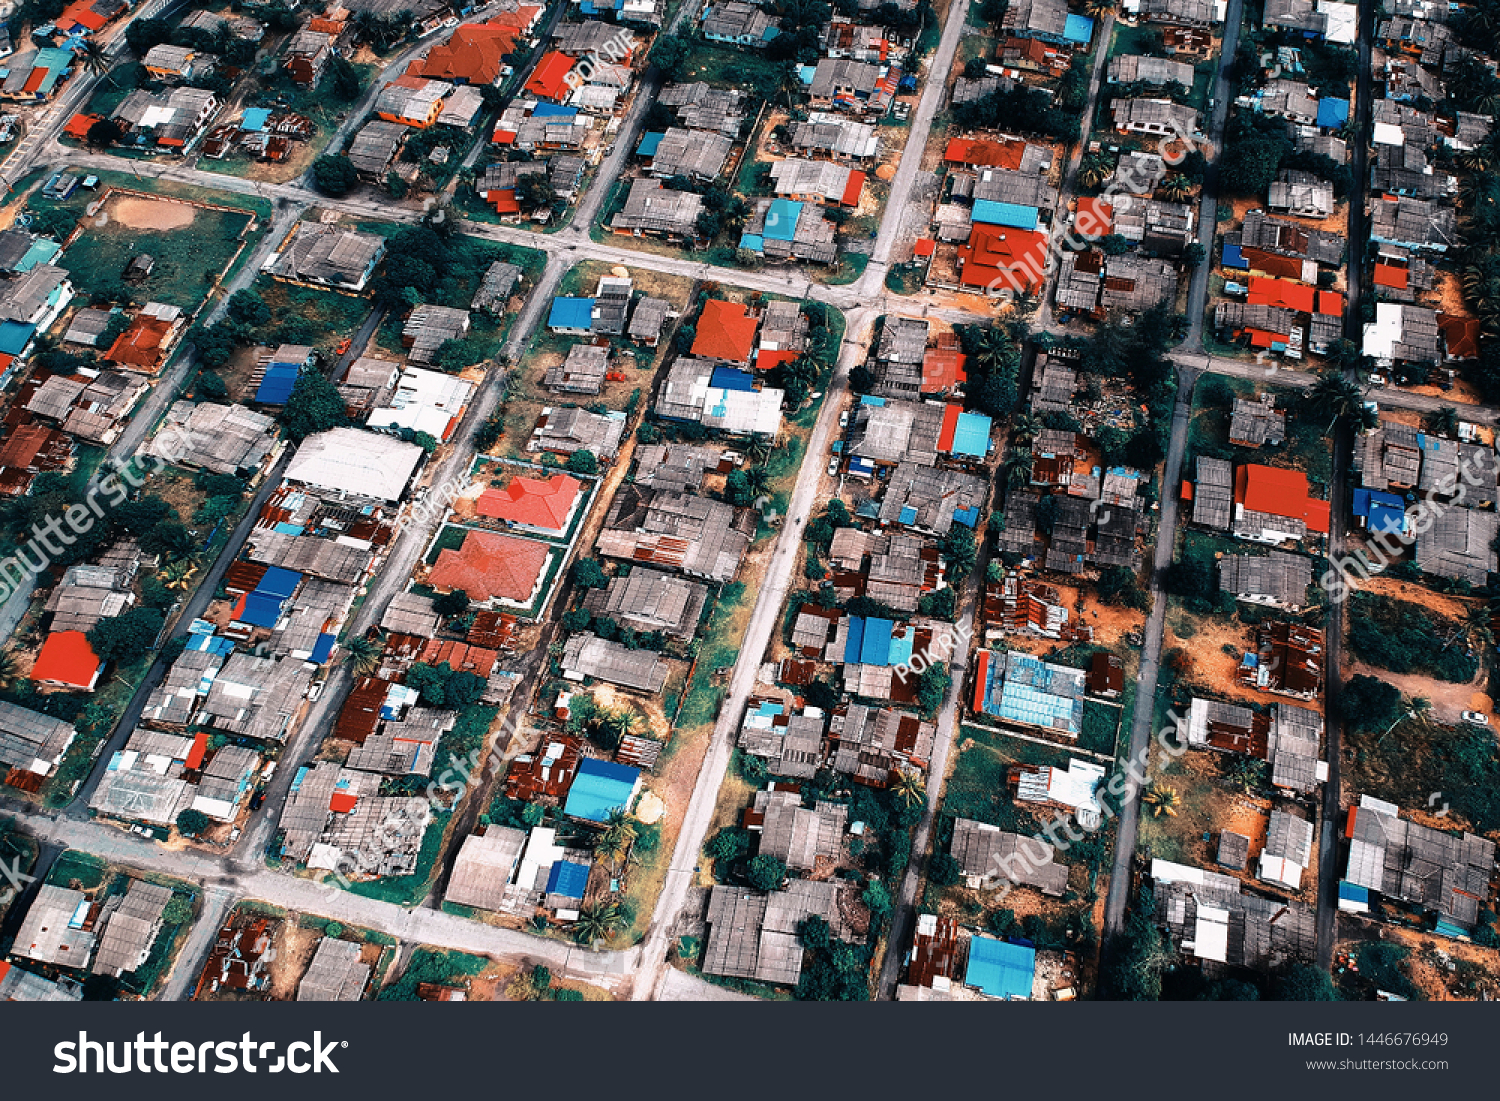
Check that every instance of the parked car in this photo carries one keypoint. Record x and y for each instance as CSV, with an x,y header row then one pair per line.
x,y
833,467
1477,718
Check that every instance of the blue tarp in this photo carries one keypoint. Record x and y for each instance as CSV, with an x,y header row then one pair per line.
x,y
1010,215
279,582
752,242
568,879
571,313
1332,113
277,384
908,515
732,378
968,517
971,436
255,119
781,220
553,111
1000,969
598,788
875,642
261,609
648,145
322,648
1078,29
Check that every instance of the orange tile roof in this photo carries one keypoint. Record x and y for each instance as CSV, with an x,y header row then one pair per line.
x,y
1271,263
140,344
334,27
1460,335
25,443
475,54
1297,297
536,502
78,126
943,369
1096,218
550,77
1389,275
1330,303
725,331
983,153
67,658
1279,492
993,251
82,13
489,566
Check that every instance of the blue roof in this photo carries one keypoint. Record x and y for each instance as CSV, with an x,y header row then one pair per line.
x,y
255,118
261,609
571,313
999,968
752,242
322,648
869,641
279,582
42,250
781,219
901,647
1446,928
971,436
871,399
598,788
968,517
1011,215
553,111
1354,894
648,145
568,879
908,514
805,73
277,384
1079,29
732,378
1332,113
1233,258
14,336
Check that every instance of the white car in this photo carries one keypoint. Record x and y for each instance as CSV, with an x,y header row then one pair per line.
x,y
1478,718
833,466
844,419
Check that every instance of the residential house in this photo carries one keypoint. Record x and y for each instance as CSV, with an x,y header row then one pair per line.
x,y
32,744
171,64
694,535
648,601
337,973
739,24
988,855
797,836
1159,117
53,931
755,936
565,430
1143,69
373,148
694,153
1301,194
328,256
587,655
655,210
412,101
306,55
1279,579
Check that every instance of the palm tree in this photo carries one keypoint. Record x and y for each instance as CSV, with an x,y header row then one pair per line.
x,y
1162,799
9,667
93,58
1478,618
178,574
909,787
1176,187
1025,427
1334,396
1015,468
758,478
614,843
759,447
1414,709
1094,169
364,655
176,544
601,921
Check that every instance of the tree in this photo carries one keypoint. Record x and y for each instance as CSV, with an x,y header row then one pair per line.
x,y
314,405
944,871
669,53
960,550
1194,253
364,655
1162,799
582,461
975,68
1368,703
941,604
932,687
341,80
104,133
334,175
766,873
814,933
190,823
1414,710
877,897
909,788
731,843
1334,396
601,921
589,574
614,843
1302,982
126,636
179,910
451,604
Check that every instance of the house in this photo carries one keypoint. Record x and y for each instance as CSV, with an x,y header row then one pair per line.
x,y
484,868
653,209
784,230
491,568
427,330
1143,69
1287,851
1262,233
1279,580
1326,19
240,28
582,372
1210,918
83,17
53,930
474,54
88,594
129,929
1178,13
1000,969
999,260
1049,20
694,153
725,332
412,101
27,986
1301,194
328,256
701,106
1034,55
932,499
729,399
987,855
601,788
501,279
1272,505
1412,223
352,461
36,297
32,76
835,136
846,84
1257,423
792,833
254,695
738,24
873,745
648,601
172,64
549,80
754,936
32,745
791,743
1460,544
66,660
1402,333
648,319
173,120
568,429
817,181
1028,692
306,56
1095,284
542,505
373,148
694,535
1213,493
335,819
1160,117
337,973
424,401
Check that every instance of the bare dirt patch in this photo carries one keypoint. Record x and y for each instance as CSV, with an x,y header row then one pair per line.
x,y
1212,668
150,213
294,947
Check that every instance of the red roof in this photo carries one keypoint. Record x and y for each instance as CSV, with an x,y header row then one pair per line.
x,y
522,18
1389,275
983,153
67,658
475,54
1297,297
488,566
950,426
1096,218
766,359
535,502
200,748
342,802
25,444
992,251
853,189
140,345
980,676
549,78
1460,335
943,369
505,202
925,246
1279,492
725,331
78,126
81,13
1271,263
503,137
34,81
1330,303
334,27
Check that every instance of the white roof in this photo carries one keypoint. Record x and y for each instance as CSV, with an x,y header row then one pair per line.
x,y
1343,21
363,463
1382,334
1278,869
1388,133
1211,933
424,401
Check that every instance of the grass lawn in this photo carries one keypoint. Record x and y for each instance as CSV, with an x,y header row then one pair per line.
x,y
728,66
1101,727
78,870
333,314
978,784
